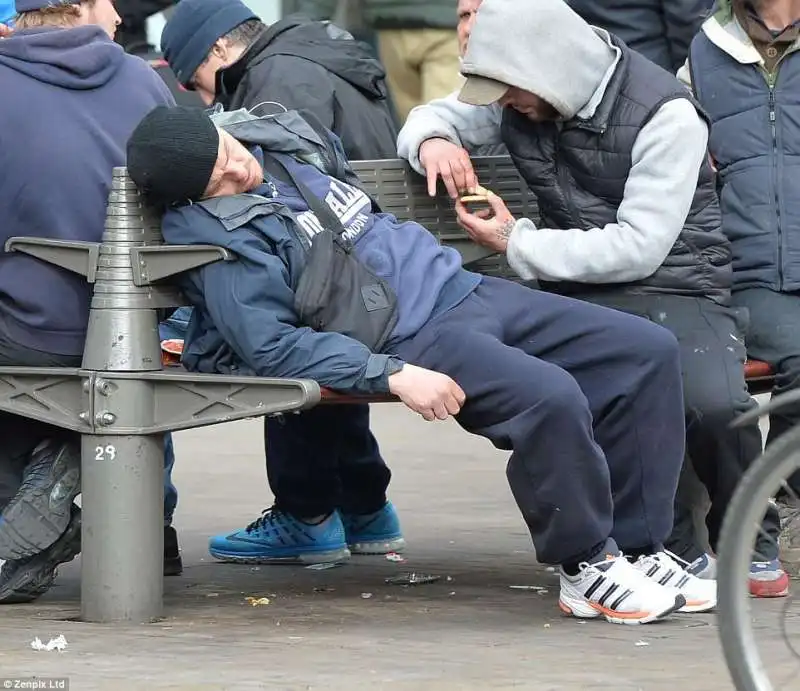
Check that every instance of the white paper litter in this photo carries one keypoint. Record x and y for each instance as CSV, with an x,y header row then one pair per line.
x,y
58,643
324,566
641,644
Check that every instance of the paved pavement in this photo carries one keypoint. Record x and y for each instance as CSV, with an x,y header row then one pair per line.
x,y
345,628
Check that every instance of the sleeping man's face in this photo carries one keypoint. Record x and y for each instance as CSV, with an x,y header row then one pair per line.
x,y
236,171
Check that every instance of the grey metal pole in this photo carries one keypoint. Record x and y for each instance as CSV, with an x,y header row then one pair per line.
x,y
122,485
123,528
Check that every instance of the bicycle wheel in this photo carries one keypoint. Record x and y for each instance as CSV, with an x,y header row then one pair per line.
x,y
739,530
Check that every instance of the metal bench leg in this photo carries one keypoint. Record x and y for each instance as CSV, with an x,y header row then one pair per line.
x,y
123,528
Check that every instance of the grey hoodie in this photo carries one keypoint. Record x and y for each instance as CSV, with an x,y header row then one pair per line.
x,y
548,50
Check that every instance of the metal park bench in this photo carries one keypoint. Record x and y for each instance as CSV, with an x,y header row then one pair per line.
x,y
122,400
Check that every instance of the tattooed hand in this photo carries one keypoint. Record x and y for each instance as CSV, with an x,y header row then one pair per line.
x,y
489,227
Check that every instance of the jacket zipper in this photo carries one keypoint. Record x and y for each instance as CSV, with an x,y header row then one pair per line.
x,y
563,181
773,127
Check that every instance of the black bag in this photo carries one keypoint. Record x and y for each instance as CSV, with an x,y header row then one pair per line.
x,y
336,291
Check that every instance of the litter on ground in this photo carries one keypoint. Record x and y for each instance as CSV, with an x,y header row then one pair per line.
x,y
412,579
324,566
58,643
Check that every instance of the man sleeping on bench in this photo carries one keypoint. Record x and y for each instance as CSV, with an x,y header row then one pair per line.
x,y
326,287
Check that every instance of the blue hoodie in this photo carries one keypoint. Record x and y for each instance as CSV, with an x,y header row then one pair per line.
x,y
73,99
245,322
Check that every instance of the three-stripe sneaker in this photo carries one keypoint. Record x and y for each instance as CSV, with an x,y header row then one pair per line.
x,y
664,569
614,589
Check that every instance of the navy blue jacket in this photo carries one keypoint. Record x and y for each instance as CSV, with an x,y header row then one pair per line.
x,y
755,141
244,319
74,97
661,30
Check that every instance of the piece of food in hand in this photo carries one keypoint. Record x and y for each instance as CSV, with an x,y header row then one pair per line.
x,y
479,194
478,200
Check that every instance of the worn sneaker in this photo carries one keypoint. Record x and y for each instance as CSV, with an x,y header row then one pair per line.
x,y
667,570
277,537
374,533
705,568
789,538
768,579
614,589
25,580
40,511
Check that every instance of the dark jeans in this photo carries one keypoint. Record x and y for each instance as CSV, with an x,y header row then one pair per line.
x,y
588,400
773,336
20,435
711,340
324,459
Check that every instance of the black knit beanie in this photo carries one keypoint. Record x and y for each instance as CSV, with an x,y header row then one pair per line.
x,y
172,153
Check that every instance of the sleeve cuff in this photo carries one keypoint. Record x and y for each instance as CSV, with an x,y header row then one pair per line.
x,y
516,252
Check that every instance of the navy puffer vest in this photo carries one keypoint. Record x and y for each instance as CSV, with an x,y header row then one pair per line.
x,y
755,140
578,172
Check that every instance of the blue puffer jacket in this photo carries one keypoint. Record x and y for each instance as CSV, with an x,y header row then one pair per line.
x,y
755,141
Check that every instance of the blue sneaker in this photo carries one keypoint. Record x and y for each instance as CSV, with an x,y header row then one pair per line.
x,y
277,537
374,533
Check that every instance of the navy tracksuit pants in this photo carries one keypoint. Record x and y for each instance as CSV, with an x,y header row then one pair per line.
x,y
588,400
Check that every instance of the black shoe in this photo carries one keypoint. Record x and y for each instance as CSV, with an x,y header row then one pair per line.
x,y
173,564
25,580
40,512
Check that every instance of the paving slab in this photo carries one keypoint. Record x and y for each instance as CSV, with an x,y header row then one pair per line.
x,y
346,628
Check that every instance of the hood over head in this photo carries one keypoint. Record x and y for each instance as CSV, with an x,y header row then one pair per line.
x,y
539,46
326,45
83,57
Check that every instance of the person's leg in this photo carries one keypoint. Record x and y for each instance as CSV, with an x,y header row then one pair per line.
x,y
174,327
520,355
173,563
774,336
398,55
683,540
310,457
370,521
711,343
441,66
46,462
327,459
170,491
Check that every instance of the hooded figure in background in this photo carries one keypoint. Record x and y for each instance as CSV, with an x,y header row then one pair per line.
x,y
221,49
615,149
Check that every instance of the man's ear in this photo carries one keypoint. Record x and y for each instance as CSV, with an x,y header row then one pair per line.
x,y
220,49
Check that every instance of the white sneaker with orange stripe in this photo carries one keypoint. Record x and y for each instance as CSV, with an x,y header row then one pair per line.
x,y
614,589
666,569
